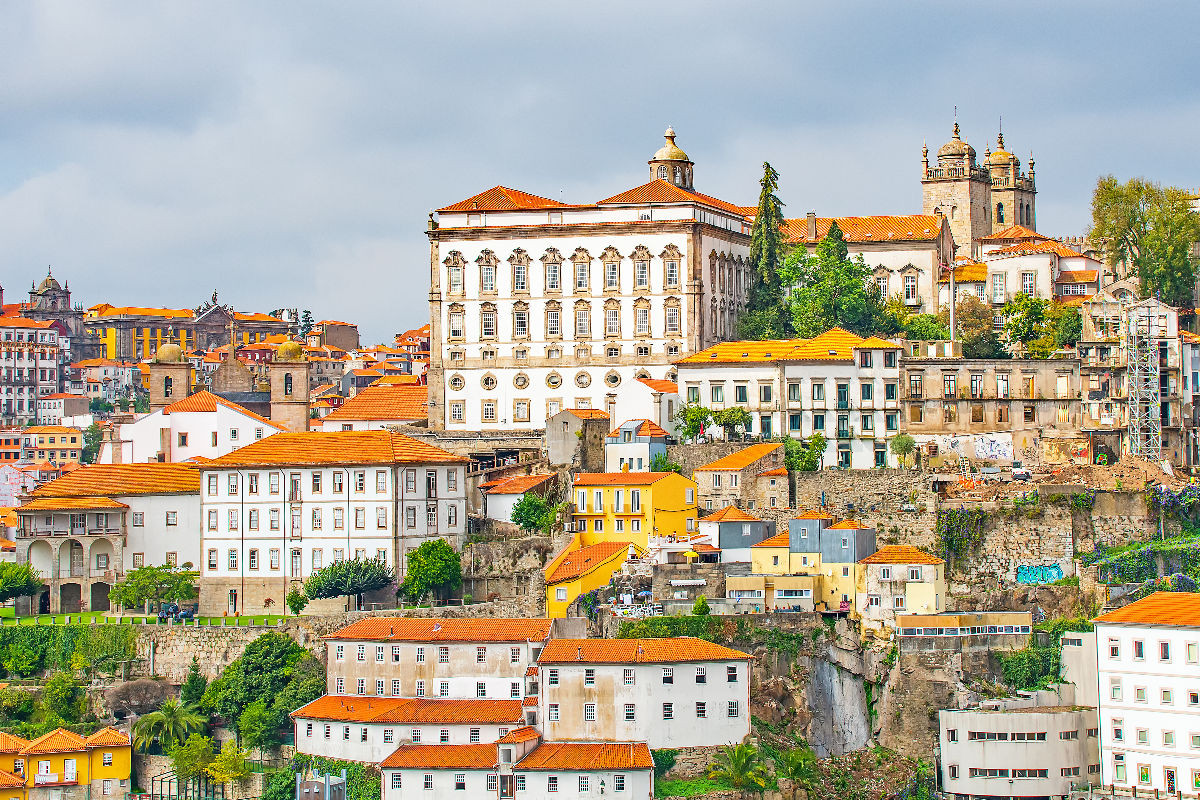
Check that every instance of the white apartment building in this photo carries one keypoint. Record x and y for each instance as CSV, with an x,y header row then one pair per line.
x,y
201,425
836,384
680,692
30,357
369,729
87,529
475,658
538,305
1148,666
283,507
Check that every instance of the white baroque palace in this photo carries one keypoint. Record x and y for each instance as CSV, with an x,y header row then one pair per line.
x,y
538,305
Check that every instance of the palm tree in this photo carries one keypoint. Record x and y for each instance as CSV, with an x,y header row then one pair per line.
x,y
741,766
800,765
170,725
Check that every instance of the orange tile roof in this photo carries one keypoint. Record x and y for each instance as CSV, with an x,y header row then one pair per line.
x,y
1040,246
501,198
519,484
414,711
106,310
859,230
475,629
204,401
398,380
70,503
584,756
21,322
336,447
385,402
12,744
635,651
834,344
58,740
659,191
742,458
51,429
1013,232
876,343
900,554
814,514
1074,300
105,480
848,525
660,385
107,737
531,672
10,781
730,514
62,396
588,413
620,478
584,560
778,540
442,756
647,428
1161,608
525,733
774,472
966,273
1078,276
1188,336
705,548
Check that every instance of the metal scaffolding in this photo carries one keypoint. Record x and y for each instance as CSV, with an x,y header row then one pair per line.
x,y
1145,327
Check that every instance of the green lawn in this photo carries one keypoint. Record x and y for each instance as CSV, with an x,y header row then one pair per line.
x,y
7,617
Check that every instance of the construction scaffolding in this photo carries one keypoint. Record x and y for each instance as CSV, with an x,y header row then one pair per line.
x,y
1145,327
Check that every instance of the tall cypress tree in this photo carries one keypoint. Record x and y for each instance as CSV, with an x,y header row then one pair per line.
x,y
765,316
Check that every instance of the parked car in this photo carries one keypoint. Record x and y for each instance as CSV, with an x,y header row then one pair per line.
x,y
1022,474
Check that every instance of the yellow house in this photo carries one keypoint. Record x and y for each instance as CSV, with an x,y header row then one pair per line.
x,y
899,579
61,760
633,506
578,570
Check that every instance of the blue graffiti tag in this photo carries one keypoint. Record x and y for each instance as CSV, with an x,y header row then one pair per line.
x,y
1038,573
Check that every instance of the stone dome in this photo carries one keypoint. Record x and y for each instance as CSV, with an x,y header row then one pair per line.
x,y
49,283
956,147
169,353
670,151
289,351
1001,157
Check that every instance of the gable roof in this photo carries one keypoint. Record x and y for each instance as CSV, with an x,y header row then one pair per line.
x,y
502,198
778,540
336,447
63,503
519,484
1077,276
730,513
583,756
660,191
105,480
588,413
385,401
647,428
1036,246
585,559
58,740
636,651
525,733
1013,233
813,514
742,458
900,554
475,629
10,781
1161,608
12,744
620,478
859,230
835,344
107,737
205,401
406,710
970,272
660,385
442,756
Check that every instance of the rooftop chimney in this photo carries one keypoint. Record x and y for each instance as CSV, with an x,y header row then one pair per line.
x,y
812,225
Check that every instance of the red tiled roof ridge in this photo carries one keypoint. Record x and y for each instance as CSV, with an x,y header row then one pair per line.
x,y
636,651
466,629
583,560
336,447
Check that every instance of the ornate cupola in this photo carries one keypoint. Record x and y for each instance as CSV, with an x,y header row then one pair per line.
x,y
671,164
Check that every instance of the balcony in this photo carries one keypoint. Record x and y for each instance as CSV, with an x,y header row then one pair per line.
x,y
842,405
845,433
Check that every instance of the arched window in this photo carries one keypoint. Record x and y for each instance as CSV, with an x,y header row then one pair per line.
x,y
287,383
168,384
663,172
999,212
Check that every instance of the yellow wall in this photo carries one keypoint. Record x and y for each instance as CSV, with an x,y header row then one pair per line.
x,y
834,584
664,511
598,576
926,597
89,765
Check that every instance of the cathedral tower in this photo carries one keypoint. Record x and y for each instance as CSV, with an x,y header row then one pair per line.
x,y
959,189
1012,191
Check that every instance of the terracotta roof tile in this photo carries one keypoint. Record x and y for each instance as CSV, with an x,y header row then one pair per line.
x,y
1039,246
858,230
705,548
414,711
10,781
386,402
519,484
71,503
442,756
588,413
107,737
531,672
584,756
620,478
336,447
966,273
730,514
659,191
1074,300
501,198
585,559
660,385
1180,609
647,428
834,344
813,514
206,402
12,744
772,473
778,540
1078,276
407,629
525,733
848,525
103,480
58,740
900,554
636,651
742,458
1013,233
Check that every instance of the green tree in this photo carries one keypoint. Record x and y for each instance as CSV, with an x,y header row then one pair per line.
x,y
19,580
258,726
766,315
306,322
434,568
700,607
740,765
64,697
91,442
296,601
230,764
306,683
536,514
141,403
661,462
265,669
832,290
346,578
730,419
192,758
1025,325
690,419
903,446
799,765
154,585
1066,323
926,327
194,684
810,456
168,727
976,328
98,406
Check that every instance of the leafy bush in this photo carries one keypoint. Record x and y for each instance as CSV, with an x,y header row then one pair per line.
x,y
434,568
26,650
274,669
664,760
352,577
700,607
1031,668
959,531
362,780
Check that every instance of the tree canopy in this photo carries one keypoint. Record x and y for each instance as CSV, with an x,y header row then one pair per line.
x,y
434,568
926,327
348,577
765,316
976,328
690,419
192,758
272,667
732,418
902,446
535,514
831,289
194,684
1025,322
154,585
172,724
19,580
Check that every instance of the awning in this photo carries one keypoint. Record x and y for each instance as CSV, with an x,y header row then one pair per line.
x,y
688,582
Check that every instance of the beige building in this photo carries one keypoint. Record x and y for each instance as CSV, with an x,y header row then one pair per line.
x,y
753,477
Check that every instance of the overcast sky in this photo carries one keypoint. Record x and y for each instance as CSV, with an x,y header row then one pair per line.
x,y
287,154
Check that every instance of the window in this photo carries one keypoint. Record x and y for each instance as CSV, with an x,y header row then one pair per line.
x,y
583,325
551,783
672,319
1028,282
552,712
732,709
443,655
589,677
717,392
910,288
253,559
628,677
668,711
731,674
589,712
583,783
395,779
1164,651
701,675
1139,650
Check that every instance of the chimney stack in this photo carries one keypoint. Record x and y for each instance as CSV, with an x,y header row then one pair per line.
x,y
812,224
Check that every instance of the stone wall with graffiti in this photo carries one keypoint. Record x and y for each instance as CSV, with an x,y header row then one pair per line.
x,y
1037,574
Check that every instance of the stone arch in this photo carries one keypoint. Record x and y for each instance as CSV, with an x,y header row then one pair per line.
x,y
41,556
71,559
70,598
98,599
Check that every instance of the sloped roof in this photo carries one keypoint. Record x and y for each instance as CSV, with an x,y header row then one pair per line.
x,y
71,503
900,554
971,272
730,514
584,756
860,230
620,478
205,401
12,744
519,484
1181,609
442,756
10,781
1078,276
813,514
1037,246
647,428
660,191
778,540
835,344
502,198
742,458
58,740
474,629
848,525
584,560
413,711
105,480
107,737
772,473
660,385
385,402
588,413
336,447
525,733
1013,233
636,651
